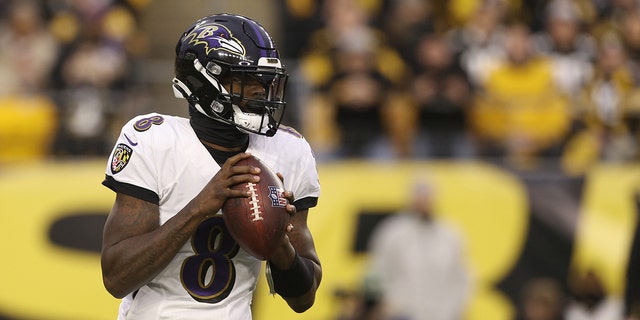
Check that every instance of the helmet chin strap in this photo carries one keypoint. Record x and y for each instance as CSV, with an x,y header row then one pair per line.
x,y
249,120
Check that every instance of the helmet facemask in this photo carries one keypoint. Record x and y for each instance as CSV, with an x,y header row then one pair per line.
x,y
257,112
250,112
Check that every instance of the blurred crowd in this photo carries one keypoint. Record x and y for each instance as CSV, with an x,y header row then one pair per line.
x,y
519,80
510,79
66,67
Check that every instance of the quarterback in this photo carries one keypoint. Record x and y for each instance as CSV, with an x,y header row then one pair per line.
x,y
166,250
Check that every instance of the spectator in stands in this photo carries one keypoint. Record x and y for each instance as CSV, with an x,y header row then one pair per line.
x,y
571,50
478,43
629,29
609,14
353,75
590,300
298,21
404,22
28,117
27,50
358,92
519,111
418,263
542,299
605,103
95,72
630,34
442,93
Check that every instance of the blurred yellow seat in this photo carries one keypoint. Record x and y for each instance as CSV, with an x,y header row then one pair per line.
x,y
27,128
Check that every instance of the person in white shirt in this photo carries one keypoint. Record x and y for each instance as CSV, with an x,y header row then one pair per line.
x,y
417,263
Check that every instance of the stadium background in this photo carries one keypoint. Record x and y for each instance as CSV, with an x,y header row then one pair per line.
x,y
518,223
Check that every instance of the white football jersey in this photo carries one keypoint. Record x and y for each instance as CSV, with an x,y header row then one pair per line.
x,y
160,159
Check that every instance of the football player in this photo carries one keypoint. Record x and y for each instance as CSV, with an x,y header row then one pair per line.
x,y
166,251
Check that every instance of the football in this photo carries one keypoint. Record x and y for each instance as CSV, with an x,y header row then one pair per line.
x,y
257,222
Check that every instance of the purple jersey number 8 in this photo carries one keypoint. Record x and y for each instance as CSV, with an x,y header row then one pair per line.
x,y
145,123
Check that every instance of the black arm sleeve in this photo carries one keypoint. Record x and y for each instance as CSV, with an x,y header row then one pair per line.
x,y
295,281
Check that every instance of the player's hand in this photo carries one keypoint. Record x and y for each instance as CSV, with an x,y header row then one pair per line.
x,y
285,253
291,209
218,189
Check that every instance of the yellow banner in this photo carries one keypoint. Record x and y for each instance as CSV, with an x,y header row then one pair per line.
x,y
43,280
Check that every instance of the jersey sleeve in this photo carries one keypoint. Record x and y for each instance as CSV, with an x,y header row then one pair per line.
x,y
307,187
131,168
301,176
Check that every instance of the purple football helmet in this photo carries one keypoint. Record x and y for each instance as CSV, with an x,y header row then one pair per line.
x,y
227,46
